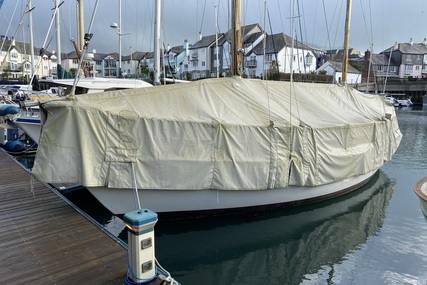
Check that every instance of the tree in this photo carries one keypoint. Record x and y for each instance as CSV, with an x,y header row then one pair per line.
x,y
6,73
273,71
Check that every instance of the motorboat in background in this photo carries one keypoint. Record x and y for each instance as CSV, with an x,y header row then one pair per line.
x,y
90,85
29,120
13,140
405,102
398,102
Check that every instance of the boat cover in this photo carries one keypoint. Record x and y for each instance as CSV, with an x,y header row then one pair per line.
x,y
228,133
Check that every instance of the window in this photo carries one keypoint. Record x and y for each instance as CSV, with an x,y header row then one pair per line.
x,y
417,67
268,57
203,63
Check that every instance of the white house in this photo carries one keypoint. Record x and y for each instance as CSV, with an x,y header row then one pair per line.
x,y
334,68
278,47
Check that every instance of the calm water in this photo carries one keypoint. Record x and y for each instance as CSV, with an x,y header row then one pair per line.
x,y
375,235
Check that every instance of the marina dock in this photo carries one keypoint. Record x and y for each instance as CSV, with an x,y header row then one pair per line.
x,y
44,240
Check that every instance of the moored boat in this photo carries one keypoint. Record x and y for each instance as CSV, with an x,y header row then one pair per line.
x,y
217,145
420,189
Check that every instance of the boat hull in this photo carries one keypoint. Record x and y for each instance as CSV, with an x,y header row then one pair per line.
x,y
179,203
420,189
30,126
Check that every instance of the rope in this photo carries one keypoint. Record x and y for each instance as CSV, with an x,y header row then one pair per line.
x,y
137,203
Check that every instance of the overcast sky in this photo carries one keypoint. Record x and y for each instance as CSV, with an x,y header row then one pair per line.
x,y
374,23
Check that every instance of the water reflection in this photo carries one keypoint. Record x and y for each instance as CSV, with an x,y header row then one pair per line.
x,y
275,248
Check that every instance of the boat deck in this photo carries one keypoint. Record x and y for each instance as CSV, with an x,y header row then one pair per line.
x,y
44,240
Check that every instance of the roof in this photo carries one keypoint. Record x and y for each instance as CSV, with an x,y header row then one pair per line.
x,y
19,46
338,67
416,48
275,43
381,59
205,41
223,37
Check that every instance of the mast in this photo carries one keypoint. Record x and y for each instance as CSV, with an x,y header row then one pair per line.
x,y
30,19
157,44
80,24
236,43
346,40
58,34
120,39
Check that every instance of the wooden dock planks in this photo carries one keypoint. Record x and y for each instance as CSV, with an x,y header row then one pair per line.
x,y
43,240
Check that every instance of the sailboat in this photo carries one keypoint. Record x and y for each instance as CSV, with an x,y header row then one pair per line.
x,y
218,145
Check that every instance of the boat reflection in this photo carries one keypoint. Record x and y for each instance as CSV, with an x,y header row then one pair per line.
x,y
276,248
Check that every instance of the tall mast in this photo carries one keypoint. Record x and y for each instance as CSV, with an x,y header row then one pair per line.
x,y
58,34
236,44
30,16
157,44
81,24
120,38
346,40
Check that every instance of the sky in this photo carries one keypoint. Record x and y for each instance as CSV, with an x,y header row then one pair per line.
x,y
375,24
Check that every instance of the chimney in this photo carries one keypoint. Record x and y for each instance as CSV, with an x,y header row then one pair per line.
x,y
94,51
200,36
366,60
411,42
425,41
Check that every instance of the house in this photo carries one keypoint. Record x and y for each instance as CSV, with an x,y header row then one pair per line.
x,y
17,62
378,66
176,60
334,68
204,53
110,65
410,58
201,58
278,49
403,60
338,54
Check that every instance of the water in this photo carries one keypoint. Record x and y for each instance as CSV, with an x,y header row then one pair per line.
x,y
375,235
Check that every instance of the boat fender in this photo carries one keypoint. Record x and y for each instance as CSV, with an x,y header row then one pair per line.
x,y
9,109
14,146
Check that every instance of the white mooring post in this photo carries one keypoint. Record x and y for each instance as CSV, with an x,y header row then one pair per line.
x,y
141,258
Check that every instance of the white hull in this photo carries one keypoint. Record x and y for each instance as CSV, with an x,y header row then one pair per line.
x,y
421,191
30,126
120,201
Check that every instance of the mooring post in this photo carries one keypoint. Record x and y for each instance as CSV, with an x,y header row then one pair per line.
x,y
141,257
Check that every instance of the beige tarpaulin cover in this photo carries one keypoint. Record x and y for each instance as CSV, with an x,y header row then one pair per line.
x,y
226,133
